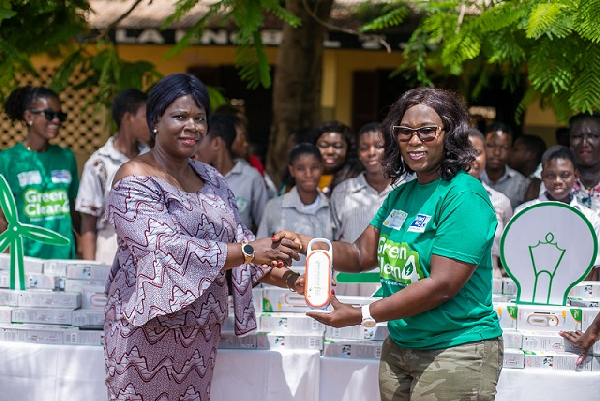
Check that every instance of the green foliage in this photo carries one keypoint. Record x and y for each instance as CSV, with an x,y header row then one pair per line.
x,y
554,43
248,17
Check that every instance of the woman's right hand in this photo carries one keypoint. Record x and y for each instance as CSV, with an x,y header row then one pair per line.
x,y
281,252
292,236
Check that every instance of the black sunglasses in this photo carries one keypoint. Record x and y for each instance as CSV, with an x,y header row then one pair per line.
x,y
50,114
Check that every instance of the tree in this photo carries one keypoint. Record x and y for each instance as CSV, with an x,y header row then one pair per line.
x,y
553,44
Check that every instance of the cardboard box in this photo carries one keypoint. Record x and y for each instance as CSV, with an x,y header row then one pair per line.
x,y
589,302
42,316
587,317
280,341
547,341
82,317
585,289
509,287
548,318
555,360
9,297
513,359
36,281
497,286
507,314
230,341
512,339
87,271
354,349
73,336
73,285
5,315
32,265
92,297
289,323
275,299
377,333
49,299
32,334
58,267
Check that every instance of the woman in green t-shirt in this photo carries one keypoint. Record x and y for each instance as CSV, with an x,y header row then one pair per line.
x,y
43,177
432,240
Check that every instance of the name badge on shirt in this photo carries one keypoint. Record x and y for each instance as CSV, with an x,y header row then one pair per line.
x,y
29,178
418,225
396,219
61,176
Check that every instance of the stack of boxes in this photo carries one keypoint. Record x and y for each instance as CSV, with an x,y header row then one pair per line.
x,y
64,302
531,338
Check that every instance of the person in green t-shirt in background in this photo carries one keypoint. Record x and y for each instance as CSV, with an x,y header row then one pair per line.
x,y
432,240
43,177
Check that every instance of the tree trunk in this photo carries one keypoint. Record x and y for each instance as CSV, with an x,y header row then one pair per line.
x,y
297,82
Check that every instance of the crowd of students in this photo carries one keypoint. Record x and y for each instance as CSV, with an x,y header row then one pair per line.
x,y
333,185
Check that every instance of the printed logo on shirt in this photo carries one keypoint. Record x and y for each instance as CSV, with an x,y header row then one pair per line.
x,y
418,225
242,204
44,204
27,178
396,219
398,264
61,176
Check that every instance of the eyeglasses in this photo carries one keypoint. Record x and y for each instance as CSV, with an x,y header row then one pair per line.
x,y
50,114
425,134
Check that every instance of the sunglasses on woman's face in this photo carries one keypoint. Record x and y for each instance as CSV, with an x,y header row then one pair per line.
x,y
50,114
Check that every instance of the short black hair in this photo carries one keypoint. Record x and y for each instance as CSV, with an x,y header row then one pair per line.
x,y
459,153
128,100
534,144
171,88
223,126
583,116
499,126
304,148
22,99
475,133
559,153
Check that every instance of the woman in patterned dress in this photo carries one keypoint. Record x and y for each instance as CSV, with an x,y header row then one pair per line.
x,y
179,231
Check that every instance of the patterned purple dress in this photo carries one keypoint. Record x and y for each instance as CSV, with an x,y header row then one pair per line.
x,y
167,296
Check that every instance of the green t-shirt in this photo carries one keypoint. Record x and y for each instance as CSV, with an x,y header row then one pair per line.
x,y
44,185
454,219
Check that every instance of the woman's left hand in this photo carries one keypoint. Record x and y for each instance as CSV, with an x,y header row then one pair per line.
x,y
341,316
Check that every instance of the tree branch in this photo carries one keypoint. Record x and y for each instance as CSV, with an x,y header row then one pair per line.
x,y
332,27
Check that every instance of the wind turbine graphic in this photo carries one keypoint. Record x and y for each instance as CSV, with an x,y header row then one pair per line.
x,y
13,236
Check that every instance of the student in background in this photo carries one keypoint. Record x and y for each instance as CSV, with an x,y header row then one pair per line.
x,y
337,144
305,208
559,174
98,237
585,142
497,174
355,201
43,177
245,182
500,201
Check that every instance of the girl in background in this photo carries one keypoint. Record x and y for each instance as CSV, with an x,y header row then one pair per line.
x,y
337,145
43,177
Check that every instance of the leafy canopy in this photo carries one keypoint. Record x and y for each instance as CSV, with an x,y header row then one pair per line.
x,y
554,43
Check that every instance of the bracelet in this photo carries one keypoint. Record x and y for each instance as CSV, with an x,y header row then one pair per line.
x,y
287,281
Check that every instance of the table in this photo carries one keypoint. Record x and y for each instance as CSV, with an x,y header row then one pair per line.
x,y
43,372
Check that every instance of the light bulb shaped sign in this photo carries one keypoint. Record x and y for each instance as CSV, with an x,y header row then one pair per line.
x,y
546,249
13,236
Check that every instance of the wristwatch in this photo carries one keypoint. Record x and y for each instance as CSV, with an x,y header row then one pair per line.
x,y
367,320
248,252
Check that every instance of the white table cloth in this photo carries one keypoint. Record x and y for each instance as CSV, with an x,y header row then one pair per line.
x,y
40,372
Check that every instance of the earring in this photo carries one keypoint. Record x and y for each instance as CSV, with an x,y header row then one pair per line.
x,y
30,122
155,131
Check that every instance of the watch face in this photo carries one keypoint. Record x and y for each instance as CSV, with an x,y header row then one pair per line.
x,y
248,249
